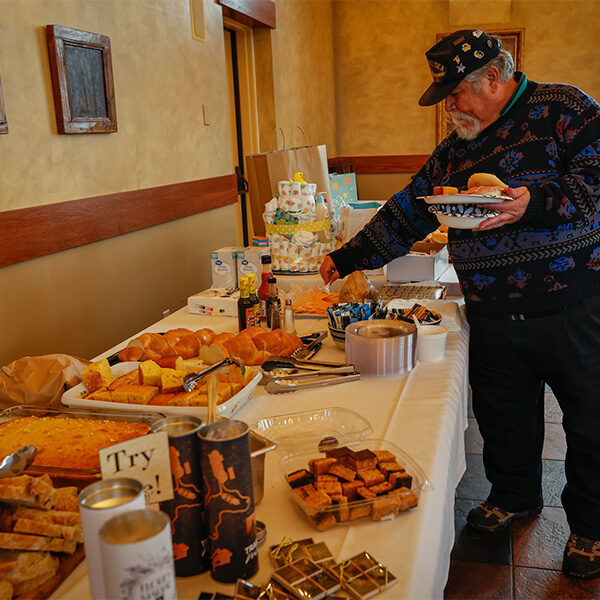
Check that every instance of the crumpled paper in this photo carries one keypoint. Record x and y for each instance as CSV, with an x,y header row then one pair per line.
x,y
39,380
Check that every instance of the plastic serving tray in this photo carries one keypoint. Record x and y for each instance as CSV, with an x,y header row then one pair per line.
x,y
76,397
299,460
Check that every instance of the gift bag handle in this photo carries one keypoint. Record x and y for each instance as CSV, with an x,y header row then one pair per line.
x,y
303,133
275,145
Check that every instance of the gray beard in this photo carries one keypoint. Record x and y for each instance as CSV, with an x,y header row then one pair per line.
x,y
466,126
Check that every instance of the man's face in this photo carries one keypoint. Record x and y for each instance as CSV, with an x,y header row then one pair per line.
x,y
470,111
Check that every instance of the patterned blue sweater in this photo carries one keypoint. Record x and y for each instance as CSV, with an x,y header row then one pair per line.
x,y
549,141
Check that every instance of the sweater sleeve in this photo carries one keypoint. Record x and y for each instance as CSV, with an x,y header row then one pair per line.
x,y
402,221
574,194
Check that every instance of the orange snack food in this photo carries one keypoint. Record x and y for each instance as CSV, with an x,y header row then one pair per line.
x,y
314,302
66,443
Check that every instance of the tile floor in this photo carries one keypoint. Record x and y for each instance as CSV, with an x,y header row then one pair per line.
x,y
522,562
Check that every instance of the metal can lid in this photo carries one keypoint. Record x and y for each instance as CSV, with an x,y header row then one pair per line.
x,y
261,533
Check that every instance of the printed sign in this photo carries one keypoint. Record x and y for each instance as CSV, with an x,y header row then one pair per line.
x,y
146,459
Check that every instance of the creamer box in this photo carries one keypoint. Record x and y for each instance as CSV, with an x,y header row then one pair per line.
x,y
218,302
223,267
249,261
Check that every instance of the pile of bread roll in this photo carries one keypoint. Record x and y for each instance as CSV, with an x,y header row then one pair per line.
x,y
252,346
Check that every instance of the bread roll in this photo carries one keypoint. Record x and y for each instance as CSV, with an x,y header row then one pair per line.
x,y
485,179
205,336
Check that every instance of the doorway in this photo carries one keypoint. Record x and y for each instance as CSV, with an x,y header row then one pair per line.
x,y
243,113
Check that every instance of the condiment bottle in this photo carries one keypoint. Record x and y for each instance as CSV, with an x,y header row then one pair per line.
x,y
254,297
245,306
321,213
288,318
273,305
263,290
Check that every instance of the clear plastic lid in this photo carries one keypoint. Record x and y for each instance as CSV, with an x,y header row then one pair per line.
x,y
305,430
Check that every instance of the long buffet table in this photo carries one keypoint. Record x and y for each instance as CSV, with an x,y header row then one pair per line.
x,y
424,412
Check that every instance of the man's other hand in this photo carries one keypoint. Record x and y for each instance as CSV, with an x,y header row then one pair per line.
x,y
510,210
328,271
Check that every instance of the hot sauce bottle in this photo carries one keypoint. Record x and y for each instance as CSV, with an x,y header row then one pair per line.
x,y
263,290
245,306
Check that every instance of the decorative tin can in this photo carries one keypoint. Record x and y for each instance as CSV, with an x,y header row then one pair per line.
x,y
137,556
185,509
98,502
229,500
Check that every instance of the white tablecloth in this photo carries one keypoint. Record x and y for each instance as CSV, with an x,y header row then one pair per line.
x,y
423,412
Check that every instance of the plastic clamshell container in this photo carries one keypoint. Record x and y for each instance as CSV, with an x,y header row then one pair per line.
x,y
299,460
65,475
76,397
299,431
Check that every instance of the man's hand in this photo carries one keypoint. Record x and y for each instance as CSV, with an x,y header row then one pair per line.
x,y
328,271
510,210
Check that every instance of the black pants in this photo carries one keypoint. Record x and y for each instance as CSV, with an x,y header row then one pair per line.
x,y
509,363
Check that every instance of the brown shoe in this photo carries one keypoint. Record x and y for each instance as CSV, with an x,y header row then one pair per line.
x,y
582,557
490,518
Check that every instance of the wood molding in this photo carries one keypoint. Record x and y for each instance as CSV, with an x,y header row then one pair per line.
x,y
370,165
254,13
28,233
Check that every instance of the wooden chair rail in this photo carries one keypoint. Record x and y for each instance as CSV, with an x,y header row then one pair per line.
x,y
28,233
370,165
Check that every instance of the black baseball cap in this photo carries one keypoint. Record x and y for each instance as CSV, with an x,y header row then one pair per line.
x,y
454,57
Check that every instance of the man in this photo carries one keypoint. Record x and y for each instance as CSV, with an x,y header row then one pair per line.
x,y
530,276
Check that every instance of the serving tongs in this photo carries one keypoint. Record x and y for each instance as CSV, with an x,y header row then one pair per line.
x,y
190,381
14,464
282,374
311,348
313,380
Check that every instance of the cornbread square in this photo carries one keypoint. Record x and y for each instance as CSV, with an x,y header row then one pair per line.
x,y
307,489
349,488
358,512
97,375
320,466
331,488
381,488
131,378
150,373
389,467
102,394
366,493
325,521
406,498
342,505
384,456
371,476
363,459
342,471
299,478
171,380
337,452
400,479
382,507
317,500
326,477
134,394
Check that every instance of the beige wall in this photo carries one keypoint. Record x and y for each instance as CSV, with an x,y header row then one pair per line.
x,y
85,300
303,71
381,70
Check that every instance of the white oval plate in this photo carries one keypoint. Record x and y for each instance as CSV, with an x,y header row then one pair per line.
x,y
463,199
461,222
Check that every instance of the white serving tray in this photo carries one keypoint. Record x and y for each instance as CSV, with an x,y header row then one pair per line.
x,y
74,397
464,199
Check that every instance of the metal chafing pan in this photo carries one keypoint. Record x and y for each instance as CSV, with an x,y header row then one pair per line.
x,y
259,446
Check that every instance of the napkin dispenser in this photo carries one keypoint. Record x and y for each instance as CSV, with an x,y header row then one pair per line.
x,y
381,347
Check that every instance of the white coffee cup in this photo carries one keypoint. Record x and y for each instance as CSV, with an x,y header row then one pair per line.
x,y
431,343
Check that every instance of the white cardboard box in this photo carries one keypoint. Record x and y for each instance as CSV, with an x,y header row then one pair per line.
x,y
249,261
223,265
426,261
220,302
